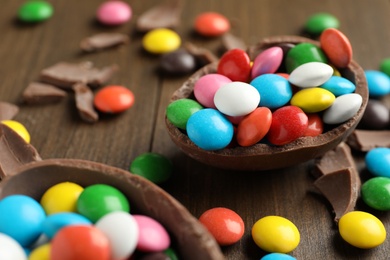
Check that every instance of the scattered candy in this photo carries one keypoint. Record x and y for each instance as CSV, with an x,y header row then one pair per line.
x,y
343,108
35,11
18,128
319,22
336,47
311,74
152,166
235,64
376,116
152,235
206,86
162,40
378,83
277,256
211,24
378,161
179,111
313,100
114,13
267,61
11,249
177,62
113,99
384,66
376,193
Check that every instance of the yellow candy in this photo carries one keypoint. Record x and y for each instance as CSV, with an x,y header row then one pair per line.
x,y
18,128
336,72
362,229
40,253
313,100
275,234
61,197
161,40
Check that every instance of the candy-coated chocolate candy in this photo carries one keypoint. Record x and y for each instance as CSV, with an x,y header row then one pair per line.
x,y
343,108
284,75
319,22
277,256
275,234
224,224
236,99
315,125
376,116
376,193
275,91
235,64
11,249
337,47
18,128
210,129
378,83
40,253
313,100
267,61
303,53
288,124
235,119
362,229
339,86
206,86
113,99
180,110
384,66
254,126
80,242
153,237
35,11
211,24
161,40
61,197
21,218
152,166
171,254
177,62
378,161
114,13
100,199
122,231
311,74
54,222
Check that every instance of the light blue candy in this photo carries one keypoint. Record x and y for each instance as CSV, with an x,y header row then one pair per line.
x,y
209,129
275,91
21,218
277,256
378,83
378,161
55,222
339,86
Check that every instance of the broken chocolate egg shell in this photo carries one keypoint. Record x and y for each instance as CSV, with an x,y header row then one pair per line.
x,y
190,239
262,156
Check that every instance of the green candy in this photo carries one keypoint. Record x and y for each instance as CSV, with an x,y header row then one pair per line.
x,y
385,66
152,166
319,22
171,254
376,193
304,53
35,11
180,110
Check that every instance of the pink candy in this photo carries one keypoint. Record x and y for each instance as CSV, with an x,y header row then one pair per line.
x,y
206,86
267,62
114,13
152,235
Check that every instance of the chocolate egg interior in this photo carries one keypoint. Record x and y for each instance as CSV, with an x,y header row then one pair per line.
x,y
263,156
190,238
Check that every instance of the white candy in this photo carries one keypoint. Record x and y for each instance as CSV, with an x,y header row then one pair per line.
x,y
10,249
236,99
311,74
343,108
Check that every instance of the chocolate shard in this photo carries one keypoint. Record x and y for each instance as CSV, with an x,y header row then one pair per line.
x,y
8,110
102,41
229,42
14,151
65,75
365,140
38,93
84,103
164,15
203,55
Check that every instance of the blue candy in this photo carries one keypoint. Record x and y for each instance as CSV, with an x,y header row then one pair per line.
x,y
378,83
275,91
277,256
55,222
378,161
209,129
339,86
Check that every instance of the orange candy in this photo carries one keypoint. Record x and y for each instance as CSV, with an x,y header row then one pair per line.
x,y
113,99
336,47
211,24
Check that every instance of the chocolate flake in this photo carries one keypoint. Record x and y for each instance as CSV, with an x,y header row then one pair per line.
x,y
102,41
41,93
230,42
8,110
365,140
84,103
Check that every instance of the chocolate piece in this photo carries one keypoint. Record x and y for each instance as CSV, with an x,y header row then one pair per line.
x,y
365,140
203,55
8,110
14,151
65,74
164,15
177,62
376,116
41,93
230,42
102,41
84,103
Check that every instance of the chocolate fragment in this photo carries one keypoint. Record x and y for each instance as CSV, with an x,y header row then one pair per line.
x,y
164,15
102,41
41,93
8,110
177,62
84,103
230,42
203,55
65,75
15,152
365,140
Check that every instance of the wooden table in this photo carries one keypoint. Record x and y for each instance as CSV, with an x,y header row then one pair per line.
x,y
58,132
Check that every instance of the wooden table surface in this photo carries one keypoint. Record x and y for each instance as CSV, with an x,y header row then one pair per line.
x,y
58,132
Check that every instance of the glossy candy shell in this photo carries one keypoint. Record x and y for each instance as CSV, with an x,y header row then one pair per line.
x,y
376,193
114,13
211,24
235,64
35,11
337,47
152,235
378,161
267,62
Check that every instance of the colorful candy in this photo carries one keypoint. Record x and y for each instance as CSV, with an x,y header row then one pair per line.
x,y
378,161
162,40
40,253
336,47
319,22
339,86
179,111
152,235
113,99
277,256
10,248
313,100
18,128
114,13
54,222
152,166
235,64
378,83
177,62
343,108
35,11
206,86
376,193
211,24
310,74
267,61
303,53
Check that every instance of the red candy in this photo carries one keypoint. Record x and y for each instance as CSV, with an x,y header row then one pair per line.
x,y
254,126
113,99
315,125
288,124
337,47
224,224
211,24
235,64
